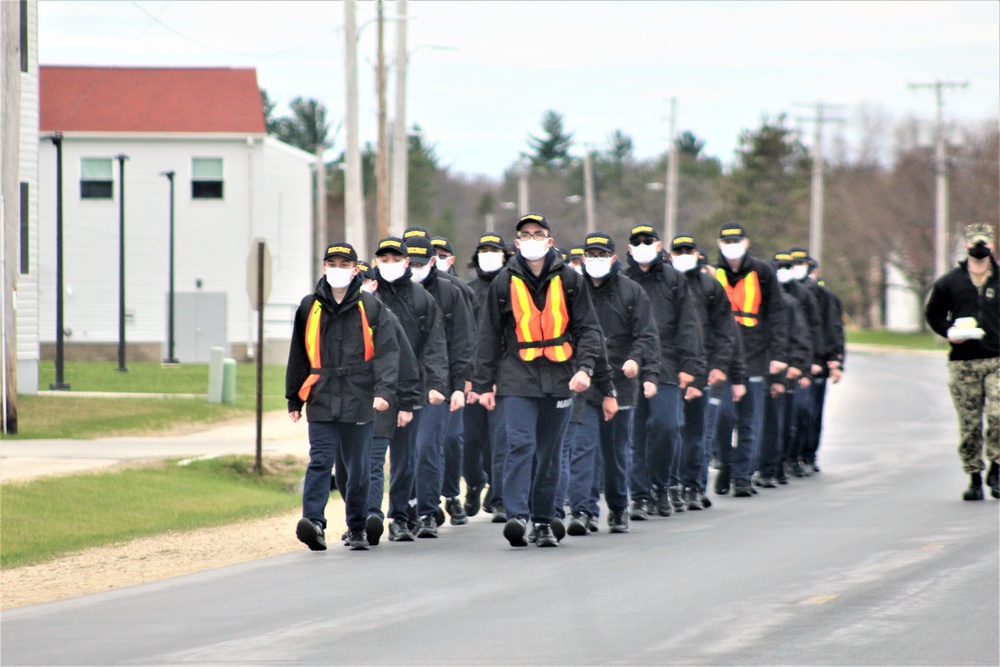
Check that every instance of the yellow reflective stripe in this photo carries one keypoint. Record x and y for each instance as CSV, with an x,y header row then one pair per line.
x,y
749,294
555,307
524,324
312,334
312,348
366,332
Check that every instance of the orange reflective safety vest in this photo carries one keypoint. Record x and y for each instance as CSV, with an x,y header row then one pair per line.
x,y
540,332
312,344
744,297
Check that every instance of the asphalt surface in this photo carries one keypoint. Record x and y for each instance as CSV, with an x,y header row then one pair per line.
x,y
875,561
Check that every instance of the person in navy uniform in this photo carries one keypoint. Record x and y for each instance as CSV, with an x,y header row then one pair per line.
x,y
599,452
539,344
343,365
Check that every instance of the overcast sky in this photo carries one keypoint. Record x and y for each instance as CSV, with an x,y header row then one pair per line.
x,y
602,65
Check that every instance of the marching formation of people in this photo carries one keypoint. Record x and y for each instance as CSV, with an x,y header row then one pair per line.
x,y
555,377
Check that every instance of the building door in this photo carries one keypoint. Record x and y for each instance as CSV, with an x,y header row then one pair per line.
x,y
199,325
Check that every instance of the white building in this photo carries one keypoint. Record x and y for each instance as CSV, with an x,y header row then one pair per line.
x,y
232,183
19,283
903,303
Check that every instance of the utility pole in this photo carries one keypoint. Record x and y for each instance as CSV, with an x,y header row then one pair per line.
x,y
354,198
588,189
10,208
523,169
941,172
171,359
670,212
319,234
816,197
400,146
382,157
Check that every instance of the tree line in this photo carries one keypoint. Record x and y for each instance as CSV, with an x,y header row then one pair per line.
x,y
878,209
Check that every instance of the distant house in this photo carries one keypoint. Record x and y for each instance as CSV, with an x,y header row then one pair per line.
x,y
232,183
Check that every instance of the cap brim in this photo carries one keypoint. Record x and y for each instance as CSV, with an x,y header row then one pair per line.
x,y
340,254
419,261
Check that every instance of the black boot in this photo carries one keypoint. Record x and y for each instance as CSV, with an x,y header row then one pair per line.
x,y
975,490
993,479
722,480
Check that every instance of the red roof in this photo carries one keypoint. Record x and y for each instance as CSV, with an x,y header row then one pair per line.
x,y
149,99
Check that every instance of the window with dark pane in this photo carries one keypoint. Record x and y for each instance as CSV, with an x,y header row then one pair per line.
x,y
24,35
25,229
96,178
206,178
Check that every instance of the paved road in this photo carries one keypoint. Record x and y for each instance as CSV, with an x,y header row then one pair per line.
x,y
874,561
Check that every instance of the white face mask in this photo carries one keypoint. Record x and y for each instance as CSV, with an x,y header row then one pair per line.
x,y
532,249
443,263
419,274
685,263
578,268
644,254
598,267
784,275
370,286
392,271
734,251
490,262
338,278
799,271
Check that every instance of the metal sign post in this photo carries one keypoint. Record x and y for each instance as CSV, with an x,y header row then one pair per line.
x,y
258,289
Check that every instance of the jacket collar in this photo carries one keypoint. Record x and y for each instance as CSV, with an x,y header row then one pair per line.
x,y
654,267
741,270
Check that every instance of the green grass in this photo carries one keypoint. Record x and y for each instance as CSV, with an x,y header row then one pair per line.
x,y
66,416
155,378
912,341
48,417
46,518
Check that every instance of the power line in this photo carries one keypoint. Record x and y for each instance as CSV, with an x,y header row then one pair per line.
x,y
157,20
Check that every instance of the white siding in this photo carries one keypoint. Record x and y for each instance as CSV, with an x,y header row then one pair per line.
x,y
27,284
286,222
902,301
212,237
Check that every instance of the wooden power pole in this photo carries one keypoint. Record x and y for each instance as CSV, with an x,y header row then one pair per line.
x,y
382,158
10,208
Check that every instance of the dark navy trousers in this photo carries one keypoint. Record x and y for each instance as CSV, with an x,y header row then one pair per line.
x,y
477,456
600,448
401,449
773,433
454,451
715,397
347,446
747,418
430,457
535,428
655,437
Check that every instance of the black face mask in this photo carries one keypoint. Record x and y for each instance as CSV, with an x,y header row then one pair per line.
x,y
979,251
